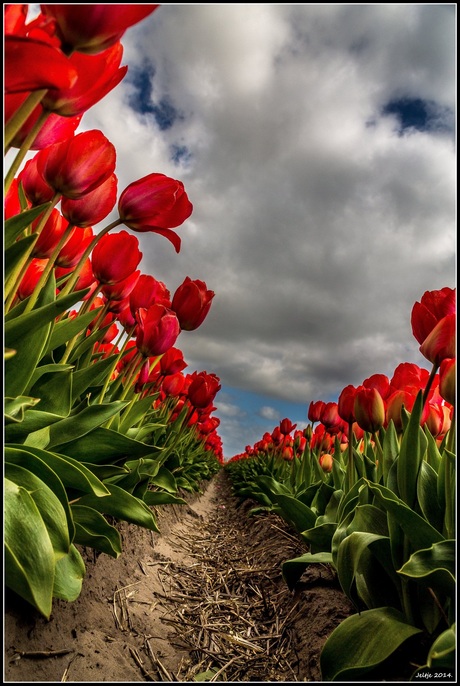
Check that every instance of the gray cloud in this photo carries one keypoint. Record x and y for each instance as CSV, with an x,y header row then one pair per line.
x,y
315,222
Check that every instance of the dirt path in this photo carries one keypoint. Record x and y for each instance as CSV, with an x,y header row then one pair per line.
x,y
203,599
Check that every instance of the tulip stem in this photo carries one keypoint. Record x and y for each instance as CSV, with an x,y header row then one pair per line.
x,y
113,367
21,115
24,149
429,383
449,485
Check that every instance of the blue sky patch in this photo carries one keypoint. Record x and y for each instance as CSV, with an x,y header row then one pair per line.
x,y
420,115
143,101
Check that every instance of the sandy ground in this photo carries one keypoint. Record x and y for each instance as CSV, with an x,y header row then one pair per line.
x,y
205,598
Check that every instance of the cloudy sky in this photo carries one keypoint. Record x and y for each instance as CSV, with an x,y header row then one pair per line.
x,y
317,145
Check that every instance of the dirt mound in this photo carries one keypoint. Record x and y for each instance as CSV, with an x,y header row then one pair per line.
x,y
204,600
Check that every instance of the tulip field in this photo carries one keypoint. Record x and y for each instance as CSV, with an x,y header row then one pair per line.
x,y
104,425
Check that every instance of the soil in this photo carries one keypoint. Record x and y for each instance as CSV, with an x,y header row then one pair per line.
x,y
204,600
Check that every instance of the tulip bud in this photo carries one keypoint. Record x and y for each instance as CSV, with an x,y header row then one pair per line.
x,y
369,409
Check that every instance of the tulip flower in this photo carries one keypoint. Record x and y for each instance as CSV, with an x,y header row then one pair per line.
x,y
31,278
331,419
326,462
74,247
53,129
94,206
315,409
50,234
172,362
158,329
93,28
119,291
440,342
433,306
148,291
369,409
379,381
345,404
447,378
286,426
36,190
97,75
85,278
203,389
155,203
79,165
115,257
173,384
191,302
32,65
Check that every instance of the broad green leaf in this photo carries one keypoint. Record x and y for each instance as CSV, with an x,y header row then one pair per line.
x,y
28,334
94,531
135,413
54,388
155,498
105,445
362,642
14,226
73,427
27,459
296,513
29,555
293,569
69,574
14,255
413,446
434,567
427,496
16,408
73,474
433,455
90,377
420,532
442,652
164,479
49,506
66,329
320,536
34,420
123,506
390,449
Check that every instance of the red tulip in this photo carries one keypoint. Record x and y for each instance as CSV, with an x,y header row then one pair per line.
x,y
433,324
326,462
50,234
31,278
394,405
315,409
12,203
74,247
115,257
191,302
14,20
447,379
155,203
97,75
119,291
148,291
440,342
331,419
32,65
85,278
79,165
93,28
94,206
379,381
173,384
172,362
203,389
369,409
54,130
36,190
157,331
286,426
346,403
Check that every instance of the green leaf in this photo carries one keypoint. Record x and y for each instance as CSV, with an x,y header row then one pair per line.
x,y
104,445
94,531
427,496
362,642
135,413
293,569
91,377
413,446
73,474
29,555
296,513
49,506
72,428
15,254
14,226
16,408
442,652
54,388
434,567
66,329
27,459
320,536
420,532
123,506
155,498
164,479
69,574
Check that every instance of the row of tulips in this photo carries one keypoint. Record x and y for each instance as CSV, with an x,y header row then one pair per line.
x,y
102,421
369,485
